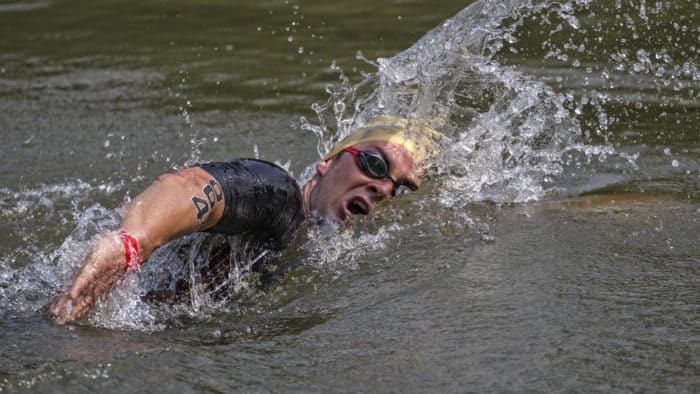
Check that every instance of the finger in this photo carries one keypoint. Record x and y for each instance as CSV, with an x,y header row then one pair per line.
x,y
57,310
57,305
80,307
72,308
70,304
83,295
62,309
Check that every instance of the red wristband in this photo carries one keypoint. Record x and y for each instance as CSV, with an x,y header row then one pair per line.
x,y
131,250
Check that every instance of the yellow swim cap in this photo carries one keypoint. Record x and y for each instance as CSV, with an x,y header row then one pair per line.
x,y
414,135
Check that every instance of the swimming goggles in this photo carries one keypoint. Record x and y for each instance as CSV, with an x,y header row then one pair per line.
x,y
375,166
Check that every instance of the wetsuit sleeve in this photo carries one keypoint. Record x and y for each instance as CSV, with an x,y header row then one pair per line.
x,y
262,200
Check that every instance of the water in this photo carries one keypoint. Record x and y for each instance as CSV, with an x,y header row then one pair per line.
x,y
504,272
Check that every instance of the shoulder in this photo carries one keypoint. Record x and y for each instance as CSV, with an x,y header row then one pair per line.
x,y
264,169
253,177
243,167
261,198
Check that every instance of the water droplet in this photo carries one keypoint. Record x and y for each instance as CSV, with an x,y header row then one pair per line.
x,y
301,50
290,38
642,55
573,22
675,163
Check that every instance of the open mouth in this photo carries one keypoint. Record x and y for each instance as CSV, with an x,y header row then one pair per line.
x,y
358,207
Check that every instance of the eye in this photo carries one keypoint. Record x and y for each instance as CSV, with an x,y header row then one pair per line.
x,y
376,166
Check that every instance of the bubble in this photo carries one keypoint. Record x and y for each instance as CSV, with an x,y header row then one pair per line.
x,y
675,163
573,22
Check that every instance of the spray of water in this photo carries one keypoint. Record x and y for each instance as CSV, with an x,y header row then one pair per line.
x,y
511,135
27,289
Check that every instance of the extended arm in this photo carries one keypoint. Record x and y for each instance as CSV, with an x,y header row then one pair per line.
x,y
174,205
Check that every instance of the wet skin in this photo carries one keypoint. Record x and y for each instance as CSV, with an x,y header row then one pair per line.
x,y
341,189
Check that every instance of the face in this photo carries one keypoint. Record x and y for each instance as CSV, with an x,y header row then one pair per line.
x,y
343,189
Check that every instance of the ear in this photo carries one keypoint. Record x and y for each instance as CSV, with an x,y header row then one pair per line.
x,y
322,167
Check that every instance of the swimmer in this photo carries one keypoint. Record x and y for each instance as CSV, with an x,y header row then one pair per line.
x,y
254,198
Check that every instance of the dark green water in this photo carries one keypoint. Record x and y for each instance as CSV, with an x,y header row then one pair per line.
x,y
499,275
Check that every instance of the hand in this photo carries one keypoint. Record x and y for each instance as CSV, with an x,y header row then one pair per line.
x,y
103,266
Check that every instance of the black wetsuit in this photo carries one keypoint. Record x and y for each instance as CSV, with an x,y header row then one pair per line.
x,y
262,201
263,209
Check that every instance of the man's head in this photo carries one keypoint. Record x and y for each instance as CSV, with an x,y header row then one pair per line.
x,y
371,164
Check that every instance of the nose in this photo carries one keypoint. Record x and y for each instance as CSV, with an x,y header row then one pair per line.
x,y
382,188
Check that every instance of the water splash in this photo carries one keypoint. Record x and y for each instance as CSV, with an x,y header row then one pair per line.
x,y
336,251
27,289
193,277
44,207
185,106
515,133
